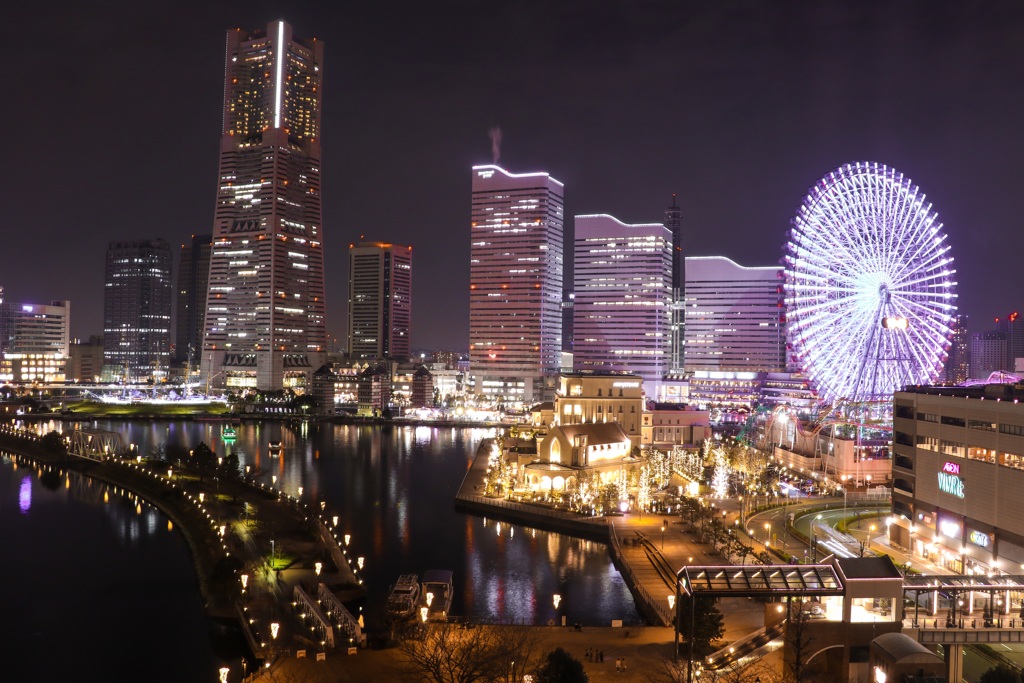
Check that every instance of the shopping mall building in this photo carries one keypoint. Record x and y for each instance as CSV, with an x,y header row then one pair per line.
x,y
958,476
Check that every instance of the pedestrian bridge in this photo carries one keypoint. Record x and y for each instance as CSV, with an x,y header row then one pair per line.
x,y
96,444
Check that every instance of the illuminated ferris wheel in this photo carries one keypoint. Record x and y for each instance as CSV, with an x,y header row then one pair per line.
x,y
869,290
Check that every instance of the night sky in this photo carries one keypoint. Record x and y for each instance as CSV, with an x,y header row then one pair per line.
x,y
111,121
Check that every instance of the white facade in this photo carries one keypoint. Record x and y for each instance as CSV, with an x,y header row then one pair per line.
x,y
735,318
622,307
515,298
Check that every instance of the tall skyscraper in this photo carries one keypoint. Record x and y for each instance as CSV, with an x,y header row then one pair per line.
x,y
674,222
958,364
137,311
622,312
515,318
734,316
379,300
193,283
264,323
1013,327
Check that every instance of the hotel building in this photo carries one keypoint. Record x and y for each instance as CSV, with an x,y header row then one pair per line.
x,y
515,297
734,329
622,311
379,300
34,341
137,311
264,323
958,476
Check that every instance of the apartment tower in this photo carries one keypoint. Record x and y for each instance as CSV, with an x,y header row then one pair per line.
x,y
264,323
515,291
622,311
379,300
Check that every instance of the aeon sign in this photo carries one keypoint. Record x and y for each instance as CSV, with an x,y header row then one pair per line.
x,y
950,481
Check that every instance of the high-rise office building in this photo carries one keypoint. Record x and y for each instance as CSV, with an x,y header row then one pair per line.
x,y
958,364
734,316
674,222
379,300
515,297
137,311
1013,327
193,283
623,296
988,354
264,323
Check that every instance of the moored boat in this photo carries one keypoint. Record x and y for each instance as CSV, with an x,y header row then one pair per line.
x,y
404,596
437,593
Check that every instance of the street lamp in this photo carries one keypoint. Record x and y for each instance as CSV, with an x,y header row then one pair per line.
x,y
767,532
223,671
663,538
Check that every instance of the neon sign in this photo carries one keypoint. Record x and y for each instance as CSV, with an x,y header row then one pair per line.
x,y
949,481
979,538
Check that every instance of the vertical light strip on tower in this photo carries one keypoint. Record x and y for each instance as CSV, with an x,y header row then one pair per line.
x,y
279,55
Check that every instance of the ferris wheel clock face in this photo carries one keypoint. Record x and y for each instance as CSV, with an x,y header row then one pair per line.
x,y
869,290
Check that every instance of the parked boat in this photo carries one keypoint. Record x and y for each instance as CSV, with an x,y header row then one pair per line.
x,y
276,447
437,593
228,434
404,596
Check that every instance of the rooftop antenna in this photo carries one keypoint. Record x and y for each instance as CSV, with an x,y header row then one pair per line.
x,y
495,135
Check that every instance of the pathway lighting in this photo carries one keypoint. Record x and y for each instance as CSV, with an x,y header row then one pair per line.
x,y
274,626
430,598
318,567
245,582
359,561
671,601
224,674
423,614
557,599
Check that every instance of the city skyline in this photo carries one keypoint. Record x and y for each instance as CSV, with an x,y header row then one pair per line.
x,y
737,109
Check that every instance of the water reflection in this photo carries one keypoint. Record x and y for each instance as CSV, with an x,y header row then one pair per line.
x,y
95,587
393,489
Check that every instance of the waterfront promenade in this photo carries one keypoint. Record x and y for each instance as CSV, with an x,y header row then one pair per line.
x,y
234,529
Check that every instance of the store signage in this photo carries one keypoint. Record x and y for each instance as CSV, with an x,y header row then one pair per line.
x,y
981,539
949,482
949,528
626,385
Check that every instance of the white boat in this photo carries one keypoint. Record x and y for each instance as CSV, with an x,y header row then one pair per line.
x,y
437,593
404,596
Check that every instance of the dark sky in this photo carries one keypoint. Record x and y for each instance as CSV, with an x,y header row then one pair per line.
x,y
111,116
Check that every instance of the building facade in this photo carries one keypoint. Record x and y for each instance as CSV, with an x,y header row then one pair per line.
x,y
622,314
85,360
988,354
193,284
35,345
379,300
515,291
137,311
264,324
958,474
735,318
584,397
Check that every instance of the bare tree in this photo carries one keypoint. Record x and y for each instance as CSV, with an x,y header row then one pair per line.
x,y
450,653
744,671
798,642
